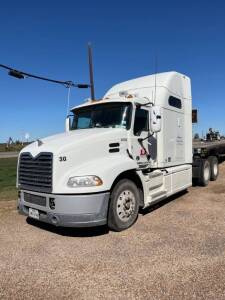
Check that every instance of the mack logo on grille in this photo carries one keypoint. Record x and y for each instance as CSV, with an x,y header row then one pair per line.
x,y
35,173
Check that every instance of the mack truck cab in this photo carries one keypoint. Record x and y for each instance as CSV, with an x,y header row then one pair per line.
x,y
124,152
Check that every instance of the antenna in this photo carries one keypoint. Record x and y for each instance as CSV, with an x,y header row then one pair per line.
x,y
91,71
156,67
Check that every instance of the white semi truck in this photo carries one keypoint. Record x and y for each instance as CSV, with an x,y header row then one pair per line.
x,y
124,152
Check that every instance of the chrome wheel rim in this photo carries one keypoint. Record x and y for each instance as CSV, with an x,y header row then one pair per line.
x,y
215,169
125,205
206,173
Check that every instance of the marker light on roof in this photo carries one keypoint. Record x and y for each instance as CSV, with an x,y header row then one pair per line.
x,y
130,96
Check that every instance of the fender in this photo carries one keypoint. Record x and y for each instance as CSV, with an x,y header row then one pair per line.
x,y
107,168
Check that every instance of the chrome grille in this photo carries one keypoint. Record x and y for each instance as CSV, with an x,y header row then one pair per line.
x,y
35,199
35,173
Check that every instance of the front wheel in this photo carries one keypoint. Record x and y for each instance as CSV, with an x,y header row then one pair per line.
x,y
124,205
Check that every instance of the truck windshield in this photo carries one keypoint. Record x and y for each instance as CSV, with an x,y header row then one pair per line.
x,y
105,115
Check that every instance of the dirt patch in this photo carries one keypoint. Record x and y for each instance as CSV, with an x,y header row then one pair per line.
x,y
8,206
218,189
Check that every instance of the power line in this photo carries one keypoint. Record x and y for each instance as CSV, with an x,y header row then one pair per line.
x,y
21,75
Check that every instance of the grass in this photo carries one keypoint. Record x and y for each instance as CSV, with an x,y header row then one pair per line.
x,y
14,147
8,189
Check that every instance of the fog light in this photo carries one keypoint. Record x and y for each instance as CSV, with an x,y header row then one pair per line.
x,y
52,203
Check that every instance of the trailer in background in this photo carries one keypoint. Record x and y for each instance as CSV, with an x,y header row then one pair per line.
x,y
206,158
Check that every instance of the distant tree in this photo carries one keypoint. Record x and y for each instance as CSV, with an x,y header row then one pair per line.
x,y
9,142
196,136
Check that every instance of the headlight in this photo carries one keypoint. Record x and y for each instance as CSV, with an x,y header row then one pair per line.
x,y
82,181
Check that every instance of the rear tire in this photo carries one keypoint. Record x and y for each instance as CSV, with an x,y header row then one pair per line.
x,y
124,205
214,166
205,172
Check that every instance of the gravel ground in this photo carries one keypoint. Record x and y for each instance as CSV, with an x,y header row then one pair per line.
x,y
176,250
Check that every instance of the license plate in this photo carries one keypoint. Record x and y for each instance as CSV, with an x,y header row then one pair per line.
x,y
33,213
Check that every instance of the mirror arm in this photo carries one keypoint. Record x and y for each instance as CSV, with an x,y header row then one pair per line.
x,y
69,116
139,105
140,140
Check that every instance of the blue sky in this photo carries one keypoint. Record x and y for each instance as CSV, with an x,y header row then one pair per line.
x,y
50,38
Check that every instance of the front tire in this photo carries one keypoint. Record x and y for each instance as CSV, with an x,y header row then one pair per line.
x,y
124,205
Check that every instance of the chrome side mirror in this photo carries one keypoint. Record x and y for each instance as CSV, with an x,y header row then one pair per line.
x,y
68,124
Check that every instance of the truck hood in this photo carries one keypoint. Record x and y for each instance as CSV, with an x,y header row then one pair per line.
x,y
64,141
85,152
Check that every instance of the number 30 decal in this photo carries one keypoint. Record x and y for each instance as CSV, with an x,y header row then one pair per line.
x,y
62,158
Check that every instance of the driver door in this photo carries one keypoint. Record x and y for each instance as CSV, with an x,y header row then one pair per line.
x,y
141,131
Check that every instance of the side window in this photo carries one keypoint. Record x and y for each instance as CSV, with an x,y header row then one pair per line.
x,y
140,121
175,102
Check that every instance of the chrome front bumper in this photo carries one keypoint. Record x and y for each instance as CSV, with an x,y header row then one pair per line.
x,y
70,210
